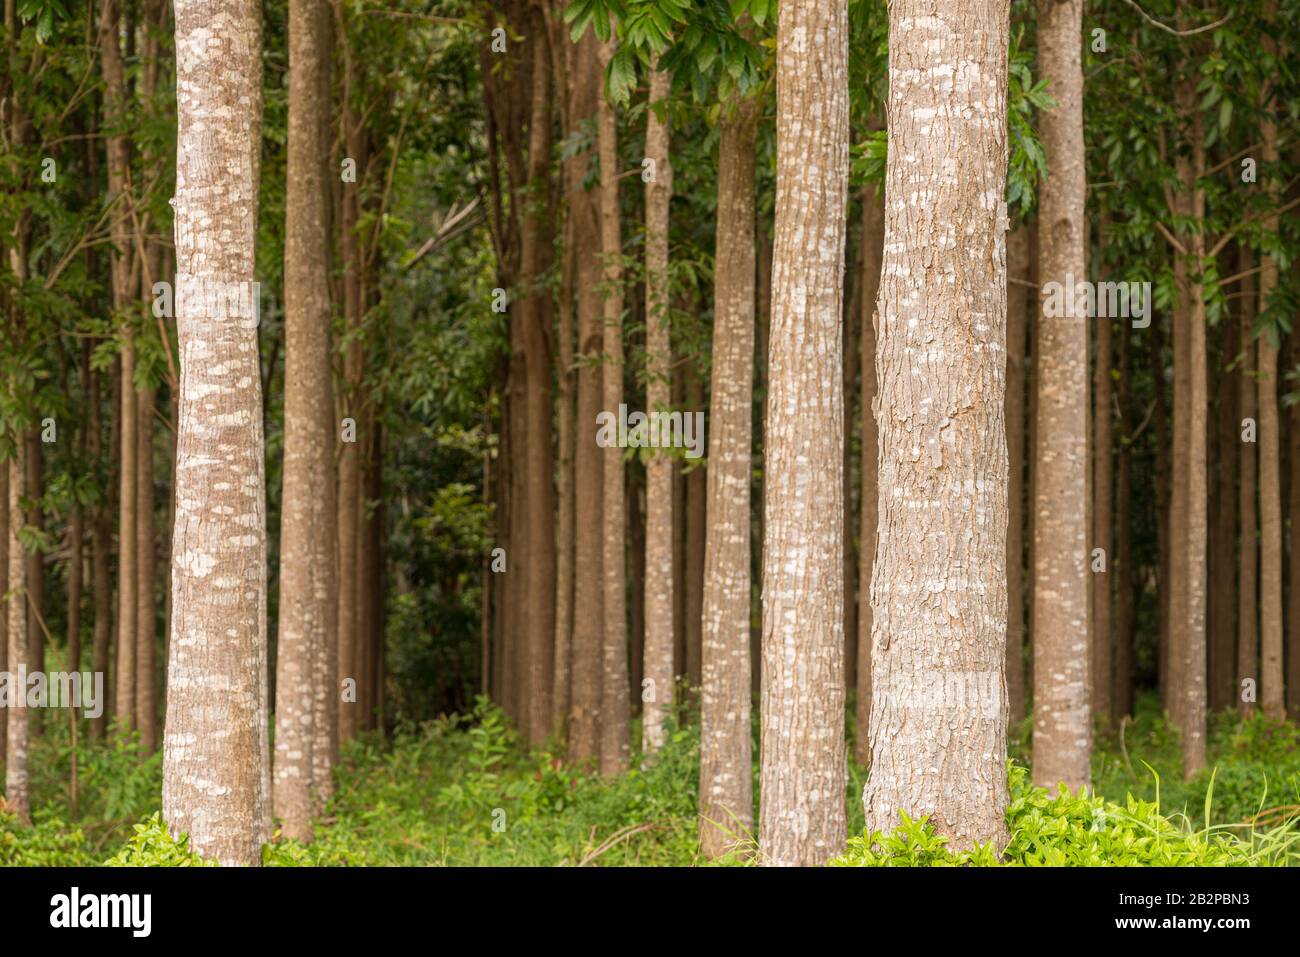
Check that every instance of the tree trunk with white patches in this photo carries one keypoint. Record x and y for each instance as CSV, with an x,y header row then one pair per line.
x,y
726,769
215,776
938,712
17,797
308,554
1062,719
802,814
615,717
658,657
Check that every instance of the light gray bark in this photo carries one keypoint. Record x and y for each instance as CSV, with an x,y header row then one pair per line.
x,y
215,765
802,814
938,592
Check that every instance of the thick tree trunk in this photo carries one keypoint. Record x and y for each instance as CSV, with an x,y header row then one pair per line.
x,y
215,766
658,659
615,715
802,819
1062,723
726,769
938,722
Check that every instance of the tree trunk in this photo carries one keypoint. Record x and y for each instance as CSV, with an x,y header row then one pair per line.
x,y
938,722
1123,568
1103,517
308,510
615,715
873,238
1223,546
659,639
1248,487
215,767
146,573
540,464
1062,723
1019,268
697,492
588,620
726,768
17,798
802,819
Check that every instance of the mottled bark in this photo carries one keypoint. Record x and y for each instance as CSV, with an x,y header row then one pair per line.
x,y
658,669
215,774
802,815
938,722
308,554
17,799
615,715
1062,723
726,768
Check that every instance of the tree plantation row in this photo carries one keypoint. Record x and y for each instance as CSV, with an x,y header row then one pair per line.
x,y
858,386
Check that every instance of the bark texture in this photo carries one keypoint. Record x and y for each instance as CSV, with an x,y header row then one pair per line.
x,y
1062,722
802,819
938,712
215,765
726,770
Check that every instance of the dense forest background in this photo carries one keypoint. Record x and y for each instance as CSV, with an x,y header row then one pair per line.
x,y
477,226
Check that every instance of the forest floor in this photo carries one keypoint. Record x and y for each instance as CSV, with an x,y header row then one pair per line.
x,y
461,791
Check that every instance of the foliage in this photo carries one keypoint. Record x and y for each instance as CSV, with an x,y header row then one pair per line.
x,y
153,846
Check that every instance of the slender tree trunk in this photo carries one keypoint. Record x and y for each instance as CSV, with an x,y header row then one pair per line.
x,y
4,605
127,573
308,511
1272,694
1123,568
802,819
1103,518
565,443
615,716
538,410
1019,268
17,798
873,238
146,573
659,470
100,574
36,617
943,459
697,492
215,767
1293,514
1223,547
1062,723
585,676
1248,487
726,768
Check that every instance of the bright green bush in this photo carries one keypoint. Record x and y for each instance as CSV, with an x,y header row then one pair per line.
x,y
152,846
1068,829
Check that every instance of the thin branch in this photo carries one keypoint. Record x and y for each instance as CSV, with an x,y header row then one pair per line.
x,y
1171,30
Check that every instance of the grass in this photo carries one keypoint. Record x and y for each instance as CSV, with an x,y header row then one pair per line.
x,y
462,791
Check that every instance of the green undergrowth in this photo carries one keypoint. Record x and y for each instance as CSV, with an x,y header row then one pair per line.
x,y
462,790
